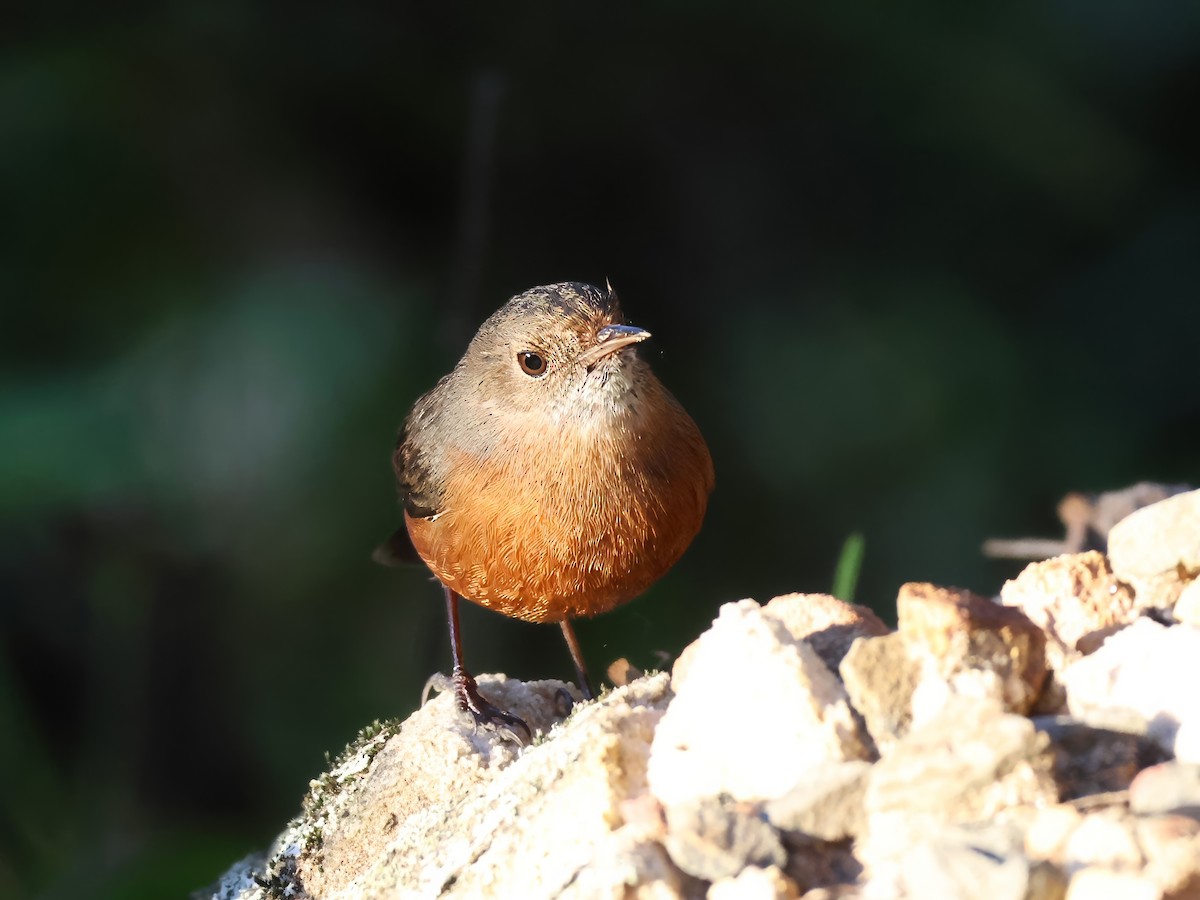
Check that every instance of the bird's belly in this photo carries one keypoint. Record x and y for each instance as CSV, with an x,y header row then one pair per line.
x,y
543,554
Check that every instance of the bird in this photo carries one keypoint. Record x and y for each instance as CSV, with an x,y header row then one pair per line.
x,y
549,476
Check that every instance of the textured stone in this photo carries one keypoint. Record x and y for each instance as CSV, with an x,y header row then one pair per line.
x,y
1096,883
751,728
950,643
835,892
977,647
968,765
880,678
1075,600
713,839
976,864
439,759
434,808
826,804
755,884
752,774
1148,673
1048,831
972,764
1157,549
813,863
1170,787
828,624
1187,607
1171,844
1103,838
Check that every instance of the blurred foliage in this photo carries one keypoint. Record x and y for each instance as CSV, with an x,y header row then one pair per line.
x,y
916,272
849,567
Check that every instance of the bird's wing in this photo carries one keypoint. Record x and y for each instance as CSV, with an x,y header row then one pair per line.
x,y
418,488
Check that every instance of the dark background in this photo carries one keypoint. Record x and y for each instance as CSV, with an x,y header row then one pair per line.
x,y
916,272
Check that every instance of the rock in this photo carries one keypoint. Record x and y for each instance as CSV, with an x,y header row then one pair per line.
x,y
880,679
1103,838
1171,845
1073,600
973,763
1145,674
1170,787
827,804
644,814
714,839
979,648
968,765
814,864
950,642
1048,831
828,624
755,884
1046,882
420,809
977,864
1157,549
1095,883
1187,608
441,758
1163,849
835,892
625,867
1053,699
754,710
1090,760
747,773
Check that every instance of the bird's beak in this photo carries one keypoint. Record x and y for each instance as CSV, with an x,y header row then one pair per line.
x,y
609,340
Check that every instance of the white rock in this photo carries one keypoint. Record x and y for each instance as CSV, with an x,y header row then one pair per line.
x,y
1103,839
1157,538
754,710
1187,608
1049,830
973,764
1156,550
753,883
1148,671
1105,884
965,864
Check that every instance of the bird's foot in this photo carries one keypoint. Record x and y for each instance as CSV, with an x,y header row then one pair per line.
x,y
469,700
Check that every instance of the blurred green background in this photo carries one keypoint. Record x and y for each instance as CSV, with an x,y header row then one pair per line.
x,y
916,272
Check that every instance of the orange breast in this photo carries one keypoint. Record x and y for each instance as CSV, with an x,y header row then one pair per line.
x,y
574,528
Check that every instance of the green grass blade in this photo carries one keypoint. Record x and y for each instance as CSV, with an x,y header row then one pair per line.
x,y
849,564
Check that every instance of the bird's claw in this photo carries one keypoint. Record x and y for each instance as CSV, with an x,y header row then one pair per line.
x,y
487,714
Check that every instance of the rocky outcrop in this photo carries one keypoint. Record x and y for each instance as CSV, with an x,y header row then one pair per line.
x,y
1045,744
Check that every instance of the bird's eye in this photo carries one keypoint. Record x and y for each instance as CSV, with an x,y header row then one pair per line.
x,y
532,364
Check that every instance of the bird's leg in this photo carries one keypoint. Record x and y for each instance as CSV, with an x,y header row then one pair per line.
x,y
466,692
585,685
